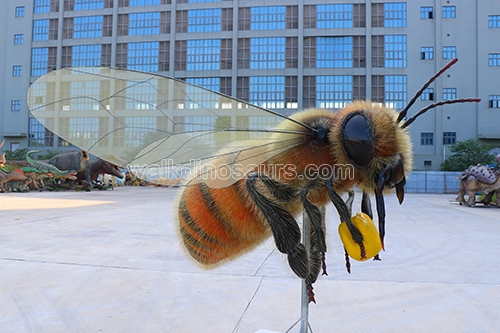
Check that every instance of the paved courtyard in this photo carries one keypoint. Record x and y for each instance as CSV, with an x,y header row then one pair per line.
x,y
110,261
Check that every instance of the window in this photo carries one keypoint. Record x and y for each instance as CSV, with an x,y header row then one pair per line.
x,y
212,83
267,91
426,13
426,53
334,16
39,135
135,3
15,105
334,52
204,20
494,59
143,56
203,54
494,21
494,101
86,55
395,51
449,52
333,92
88,4
395,15
267,53
42,6
39,61
20,11
427,139
449,12
87,27
144,24
427,94
449,138
395,91
267,18
449,93
17,70
40,30
18,39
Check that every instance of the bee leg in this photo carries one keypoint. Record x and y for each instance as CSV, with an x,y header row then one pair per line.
x,y
350,201
285,229
281,191
317,246
366,207
345,216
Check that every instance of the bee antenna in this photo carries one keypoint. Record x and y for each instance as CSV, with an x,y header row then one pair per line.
x,y
403,112
432,106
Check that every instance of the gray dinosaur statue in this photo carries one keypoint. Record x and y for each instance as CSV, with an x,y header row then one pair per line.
x,y
479,178
74,160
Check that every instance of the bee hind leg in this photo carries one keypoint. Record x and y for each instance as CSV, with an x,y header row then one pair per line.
x,y
285,229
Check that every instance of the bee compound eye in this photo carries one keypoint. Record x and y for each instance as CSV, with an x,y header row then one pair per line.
x,y
357,139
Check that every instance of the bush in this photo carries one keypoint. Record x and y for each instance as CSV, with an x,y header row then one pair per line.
x,y
48,154
18,154
467,153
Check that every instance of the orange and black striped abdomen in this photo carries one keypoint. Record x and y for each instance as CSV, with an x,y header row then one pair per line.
x,y
217,224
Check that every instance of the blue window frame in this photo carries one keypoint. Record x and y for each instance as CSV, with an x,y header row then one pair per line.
x,y
334,52
18,39
39,61
144,24
87,27
203,54
143,56
427,53
37,133
395,15
267,53
334,16
40,30
333,92
135,3
427,139
88,4
204,20
449,12
494,21
41,6
17,70
268,18
449,138
449,93
212,83
15,105
426,13
395,51
494,101
427,94
395,91
449,52
267,91
86,55
19,11
494,59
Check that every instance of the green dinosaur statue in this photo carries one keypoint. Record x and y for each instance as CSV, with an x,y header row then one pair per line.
x,y
46,167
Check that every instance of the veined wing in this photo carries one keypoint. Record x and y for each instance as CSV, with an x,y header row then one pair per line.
x,y
157,126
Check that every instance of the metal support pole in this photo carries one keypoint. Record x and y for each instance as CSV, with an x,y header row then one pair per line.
x,y
304,308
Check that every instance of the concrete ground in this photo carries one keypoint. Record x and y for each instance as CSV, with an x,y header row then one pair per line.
x,y
110,261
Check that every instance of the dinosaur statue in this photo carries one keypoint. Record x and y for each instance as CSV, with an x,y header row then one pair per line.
x,y
6,178
74,160
99,166
478,178
40,170
3,160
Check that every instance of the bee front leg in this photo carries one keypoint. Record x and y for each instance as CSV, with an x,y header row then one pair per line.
x,y
285,229
366,207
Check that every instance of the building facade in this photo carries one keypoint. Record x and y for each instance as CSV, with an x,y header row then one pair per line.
x,y
280,55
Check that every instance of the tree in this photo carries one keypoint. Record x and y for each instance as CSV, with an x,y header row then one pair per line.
x,y
467,153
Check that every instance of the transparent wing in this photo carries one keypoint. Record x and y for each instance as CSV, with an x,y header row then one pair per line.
x,y
156,126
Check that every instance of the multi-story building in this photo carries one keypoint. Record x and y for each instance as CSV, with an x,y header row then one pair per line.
x,y
281,55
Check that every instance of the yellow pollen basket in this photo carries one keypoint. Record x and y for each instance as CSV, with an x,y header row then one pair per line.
x,y
371,238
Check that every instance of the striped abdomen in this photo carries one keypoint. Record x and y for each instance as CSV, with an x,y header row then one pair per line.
x,y
216,224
